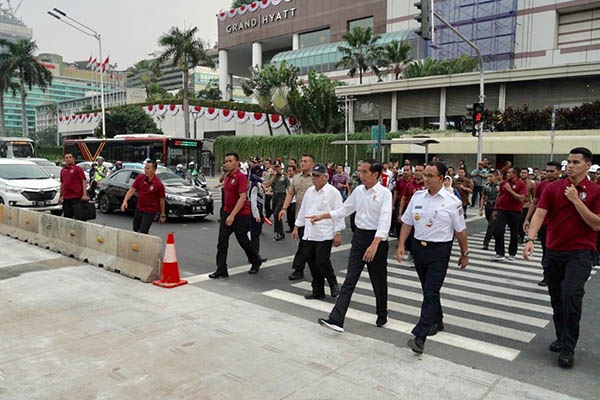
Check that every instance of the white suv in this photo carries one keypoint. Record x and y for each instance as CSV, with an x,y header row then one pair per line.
x,y
26,184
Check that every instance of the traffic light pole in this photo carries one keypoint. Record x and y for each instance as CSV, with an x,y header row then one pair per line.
x,y
481,76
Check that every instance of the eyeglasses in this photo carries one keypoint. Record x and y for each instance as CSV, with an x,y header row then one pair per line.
x,y
430,176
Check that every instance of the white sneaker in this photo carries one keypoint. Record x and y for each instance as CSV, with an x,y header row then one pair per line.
x,y
498,257
409,258
510,258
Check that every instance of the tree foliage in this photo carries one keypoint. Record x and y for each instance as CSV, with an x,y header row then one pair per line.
x,y
210,92
238,3
147,71
394,57
431,67
315,105
21,62
45,137
8,84
362,52
127,119
184,51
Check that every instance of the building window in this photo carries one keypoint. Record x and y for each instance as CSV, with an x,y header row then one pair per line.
x,y
363,23
315,38
579,28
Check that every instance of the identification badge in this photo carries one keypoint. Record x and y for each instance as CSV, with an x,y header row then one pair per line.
x,y
417,217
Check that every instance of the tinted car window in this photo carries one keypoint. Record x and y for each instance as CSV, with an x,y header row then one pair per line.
x,y
133,176
22,171
170,179
121,177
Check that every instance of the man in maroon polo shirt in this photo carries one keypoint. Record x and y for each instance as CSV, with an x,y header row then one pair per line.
x,y
73,186
418,183
570,208
235,218
399,189
151,199
552,171
509,207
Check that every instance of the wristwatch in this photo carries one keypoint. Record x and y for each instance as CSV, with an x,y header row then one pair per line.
x,y
529,240
162,215
465,253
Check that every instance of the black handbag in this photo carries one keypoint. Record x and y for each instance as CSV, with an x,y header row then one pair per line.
x,y
84,211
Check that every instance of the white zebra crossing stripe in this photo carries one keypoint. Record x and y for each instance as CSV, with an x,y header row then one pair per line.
x,y
472,267
475,259
457,305
497,271
449,319
491,252
476,285
515,292
490,349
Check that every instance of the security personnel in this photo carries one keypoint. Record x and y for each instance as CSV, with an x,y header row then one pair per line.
x,y
570,207
436,216
373,206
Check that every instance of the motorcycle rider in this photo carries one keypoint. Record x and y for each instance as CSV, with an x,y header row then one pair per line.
x,y
180,171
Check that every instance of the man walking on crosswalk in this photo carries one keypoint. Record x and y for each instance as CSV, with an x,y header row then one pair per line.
x,y
436,216
373,206
570,207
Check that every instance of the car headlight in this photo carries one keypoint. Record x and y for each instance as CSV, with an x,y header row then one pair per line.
x,y
13,189
174,197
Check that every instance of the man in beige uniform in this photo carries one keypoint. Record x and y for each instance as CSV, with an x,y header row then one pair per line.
x,y
298,187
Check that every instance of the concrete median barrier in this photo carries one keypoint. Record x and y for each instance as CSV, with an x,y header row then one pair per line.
x,y
131,254
10,221
138,256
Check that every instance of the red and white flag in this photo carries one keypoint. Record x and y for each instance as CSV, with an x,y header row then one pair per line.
x,y
105,64
91,63
97,67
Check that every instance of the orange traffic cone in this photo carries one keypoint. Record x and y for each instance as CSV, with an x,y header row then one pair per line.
x,y
169,276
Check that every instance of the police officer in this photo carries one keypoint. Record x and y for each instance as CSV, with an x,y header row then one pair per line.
x,y
373,206
570,207
436,216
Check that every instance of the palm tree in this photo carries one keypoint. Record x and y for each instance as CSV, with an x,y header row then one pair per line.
x,y
362,52
147,72
395,56
7,83
185,52
22,63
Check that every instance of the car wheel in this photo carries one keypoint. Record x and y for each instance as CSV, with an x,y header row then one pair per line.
x,y
104,204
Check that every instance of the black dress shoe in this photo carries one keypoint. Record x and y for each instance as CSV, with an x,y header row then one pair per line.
x,y
294,276
416,345
485,247
543,282
313,296
254,269
566,359
436,328
279,238
555,347
288,231
217,275
264,259
335,290
331,325
381,321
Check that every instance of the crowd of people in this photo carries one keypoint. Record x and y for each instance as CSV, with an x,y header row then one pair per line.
x,y
425,206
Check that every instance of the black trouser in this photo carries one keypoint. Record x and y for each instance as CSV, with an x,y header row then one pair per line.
x,y
489,212
352,223
142,221
291,216
512,218
320,264
476,193
409,240
431,263
377,268
268,210
240,227
67,206
255,231
278,199
394,224
542,238
521,222
567,273
301,256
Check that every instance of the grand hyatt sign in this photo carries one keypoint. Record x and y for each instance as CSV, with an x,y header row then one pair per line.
x,y
262,20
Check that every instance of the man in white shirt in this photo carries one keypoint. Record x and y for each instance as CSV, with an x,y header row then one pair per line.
x,y
436,215
319,237
373,206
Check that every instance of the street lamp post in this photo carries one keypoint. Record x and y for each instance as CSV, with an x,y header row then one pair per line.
x,y
89,32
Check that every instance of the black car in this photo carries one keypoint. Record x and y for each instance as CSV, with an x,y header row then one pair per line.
x,y
183,199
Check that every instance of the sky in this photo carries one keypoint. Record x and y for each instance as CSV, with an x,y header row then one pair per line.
x,y
130,28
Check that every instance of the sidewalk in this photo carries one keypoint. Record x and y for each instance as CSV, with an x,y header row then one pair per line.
x,y
72,331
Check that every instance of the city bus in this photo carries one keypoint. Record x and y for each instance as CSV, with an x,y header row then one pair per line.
x,y
136,148
16,147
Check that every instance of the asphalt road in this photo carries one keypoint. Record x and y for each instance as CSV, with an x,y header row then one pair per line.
x,y
497,318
